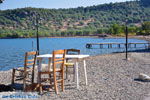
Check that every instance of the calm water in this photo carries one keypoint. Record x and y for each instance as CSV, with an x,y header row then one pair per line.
x,y
12,50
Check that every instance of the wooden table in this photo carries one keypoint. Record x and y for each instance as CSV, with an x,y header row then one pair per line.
x,y
76,57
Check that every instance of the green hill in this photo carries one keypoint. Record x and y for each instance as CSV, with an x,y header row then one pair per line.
x,y
74,21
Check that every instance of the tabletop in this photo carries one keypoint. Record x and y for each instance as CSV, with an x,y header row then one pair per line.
x,y
67,56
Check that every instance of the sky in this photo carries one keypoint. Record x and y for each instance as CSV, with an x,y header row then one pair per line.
x,y
13,4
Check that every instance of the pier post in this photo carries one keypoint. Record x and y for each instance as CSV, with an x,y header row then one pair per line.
x,y
88,45
118,45
101,46
129,45
110,45
135,45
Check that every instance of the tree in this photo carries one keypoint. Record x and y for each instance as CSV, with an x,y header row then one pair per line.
x,y
146,28
145,2
76,21
100,31
1,1
115,29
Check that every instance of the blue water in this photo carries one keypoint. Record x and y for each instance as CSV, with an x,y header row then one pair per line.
x,y
12,50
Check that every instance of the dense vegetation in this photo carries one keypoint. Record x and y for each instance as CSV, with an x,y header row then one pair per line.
x,y
107,18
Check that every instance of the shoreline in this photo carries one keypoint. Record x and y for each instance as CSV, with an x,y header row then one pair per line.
x,y
147,38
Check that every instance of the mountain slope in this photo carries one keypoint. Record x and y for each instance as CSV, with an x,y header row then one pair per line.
x,y
54,21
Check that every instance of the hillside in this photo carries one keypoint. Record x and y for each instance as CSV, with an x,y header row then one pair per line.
x,y
73,21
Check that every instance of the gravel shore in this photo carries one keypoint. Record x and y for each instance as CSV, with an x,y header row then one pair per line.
x,y
110,77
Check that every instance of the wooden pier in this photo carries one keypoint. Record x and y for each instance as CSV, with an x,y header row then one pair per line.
x,y
117,45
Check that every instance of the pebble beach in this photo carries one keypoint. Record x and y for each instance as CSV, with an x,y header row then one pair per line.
x,y
110,77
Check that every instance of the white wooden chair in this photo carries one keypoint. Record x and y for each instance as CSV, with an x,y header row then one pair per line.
x,y
69,63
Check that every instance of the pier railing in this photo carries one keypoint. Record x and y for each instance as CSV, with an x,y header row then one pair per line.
x,y
117,45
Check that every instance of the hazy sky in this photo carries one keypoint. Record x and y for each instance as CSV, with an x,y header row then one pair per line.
x,y
12,4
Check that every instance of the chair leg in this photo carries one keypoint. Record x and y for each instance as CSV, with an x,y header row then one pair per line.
x,y
24,81
62,77
66,72
74,72
62,85
33,74
56,88
55,84
50,77
40,85
36,88
40,88
13,76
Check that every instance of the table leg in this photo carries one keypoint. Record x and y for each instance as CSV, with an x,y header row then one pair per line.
x,y
49,64
39,75
77,74
39,69
85,73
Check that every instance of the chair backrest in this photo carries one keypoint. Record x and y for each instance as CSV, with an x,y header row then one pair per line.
x,y
60,60
73,51
30,58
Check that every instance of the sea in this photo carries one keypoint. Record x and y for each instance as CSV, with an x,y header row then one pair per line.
x,y
12,50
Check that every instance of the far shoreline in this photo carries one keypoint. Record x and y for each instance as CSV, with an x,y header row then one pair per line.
x,y
142,37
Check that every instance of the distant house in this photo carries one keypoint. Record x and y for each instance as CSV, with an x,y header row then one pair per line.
x,y
102,35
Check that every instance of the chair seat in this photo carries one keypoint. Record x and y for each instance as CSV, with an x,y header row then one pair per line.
x,y
69,64
51,70
22,69
19,69
20,73
45,68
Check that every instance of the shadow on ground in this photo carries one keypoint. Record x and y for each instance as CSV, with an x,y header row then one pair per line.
x,y
139,80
